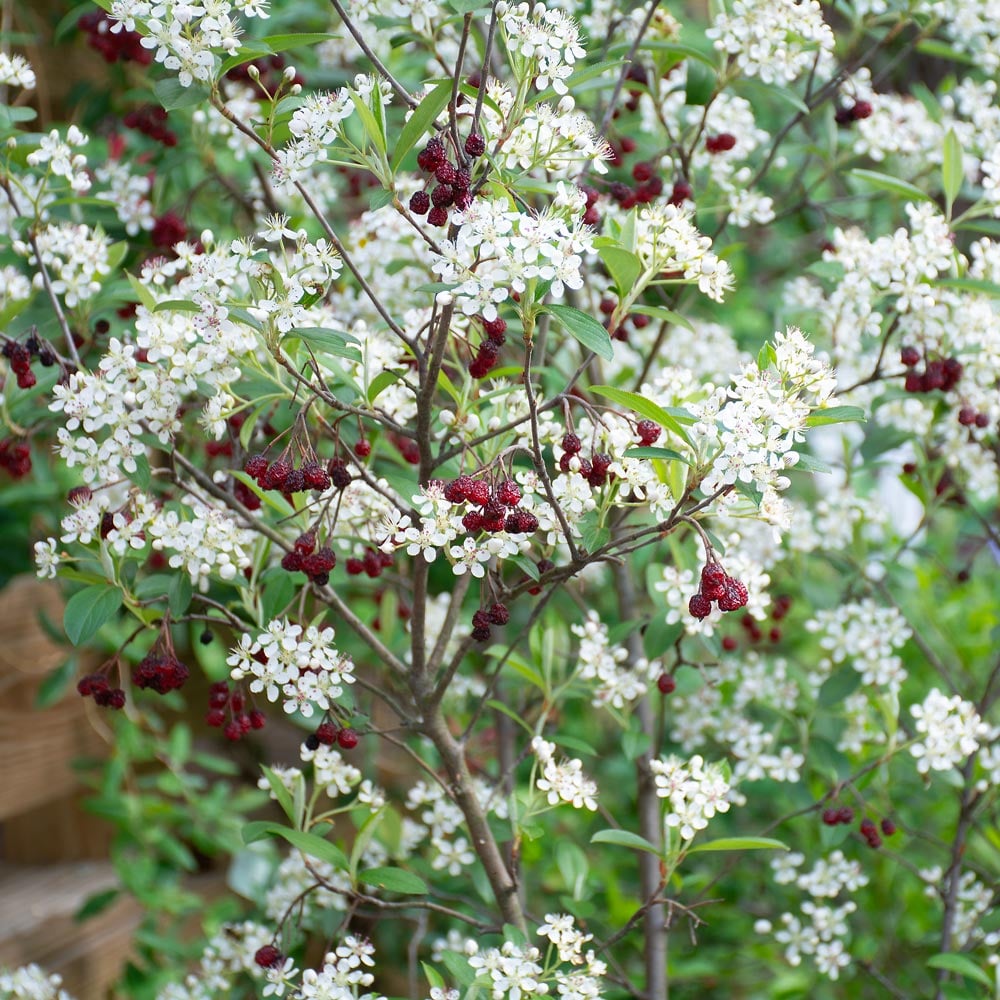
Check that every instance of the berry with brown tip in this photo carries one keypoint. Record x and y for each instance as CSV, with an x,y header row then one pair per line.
x,y
700,606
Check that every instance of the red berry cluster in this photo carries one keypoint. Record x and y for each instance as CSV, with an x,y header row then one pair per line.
x,y
834,817
871,833
594,470
853,112
327,733
751,626
160,671
717,587
123,45
968,417
489,349
168,230
371,564
496,506
281,475
20,356
496,614
149,120
15,458
96,686
453,182
305,558
940,373
220,698
721,143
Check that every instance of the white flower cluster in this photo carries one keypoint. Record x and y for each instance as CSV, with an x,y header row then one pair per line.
x,y
57,153
344,973
866,634
293,878
498,251
513,972
186,37
695,792
16,71
303,666
14,286
973,901
616,683
668,242
546,40
820,930
208,543
756,422
950,730
76,258
563,781
227,954
561,931
316,126
557,140
129,193
441,819
30,982
330,770
776,40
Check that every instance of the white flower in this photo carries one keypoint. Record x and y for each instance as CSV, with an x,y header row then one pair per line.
x,y
950,729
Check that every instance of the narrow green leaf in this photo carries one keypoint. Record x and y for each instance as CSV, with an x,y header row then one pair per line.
x,y
952,173
326,342
421,120
308,843
434,979
738,844
458,966
835,415
623,266
644,407
282,43
281,792
373,129
585,328
809,463
511,714
623,838
364,838
666,453
886,183
667,315
951,961
56,684
381,382
394,880
969,285
97,903
88,610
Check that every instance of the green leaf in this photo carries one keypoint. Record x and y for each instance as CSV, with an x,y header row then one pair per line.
x,y
458,966
623,838
952,174
56,684
381,382
961,964
421,120
623,266
750,491
809,463
499,706
738,844
644,407
281,792
838,686
434,979
282,43
394,880
179,593
886,183
374,129
835,415
308,843
172,95
326,342
969,285
177,305
593,534
667,315
665,453
97,903
88,610
585,328
701,82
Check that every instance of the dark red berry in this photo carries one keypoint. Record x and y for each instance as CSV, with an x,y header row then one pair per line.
x,y
888,827
420,202
326,733
257,719
648,432
233,731
720,143
735,597
700,606
831,817
354,566
215,717
509,493
268,956
729,643
478,492
909,356
713,581
475,145
347,739
666,683
498,614
846,814
571,444
861,109
438,216
363,448
982,420
495,328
